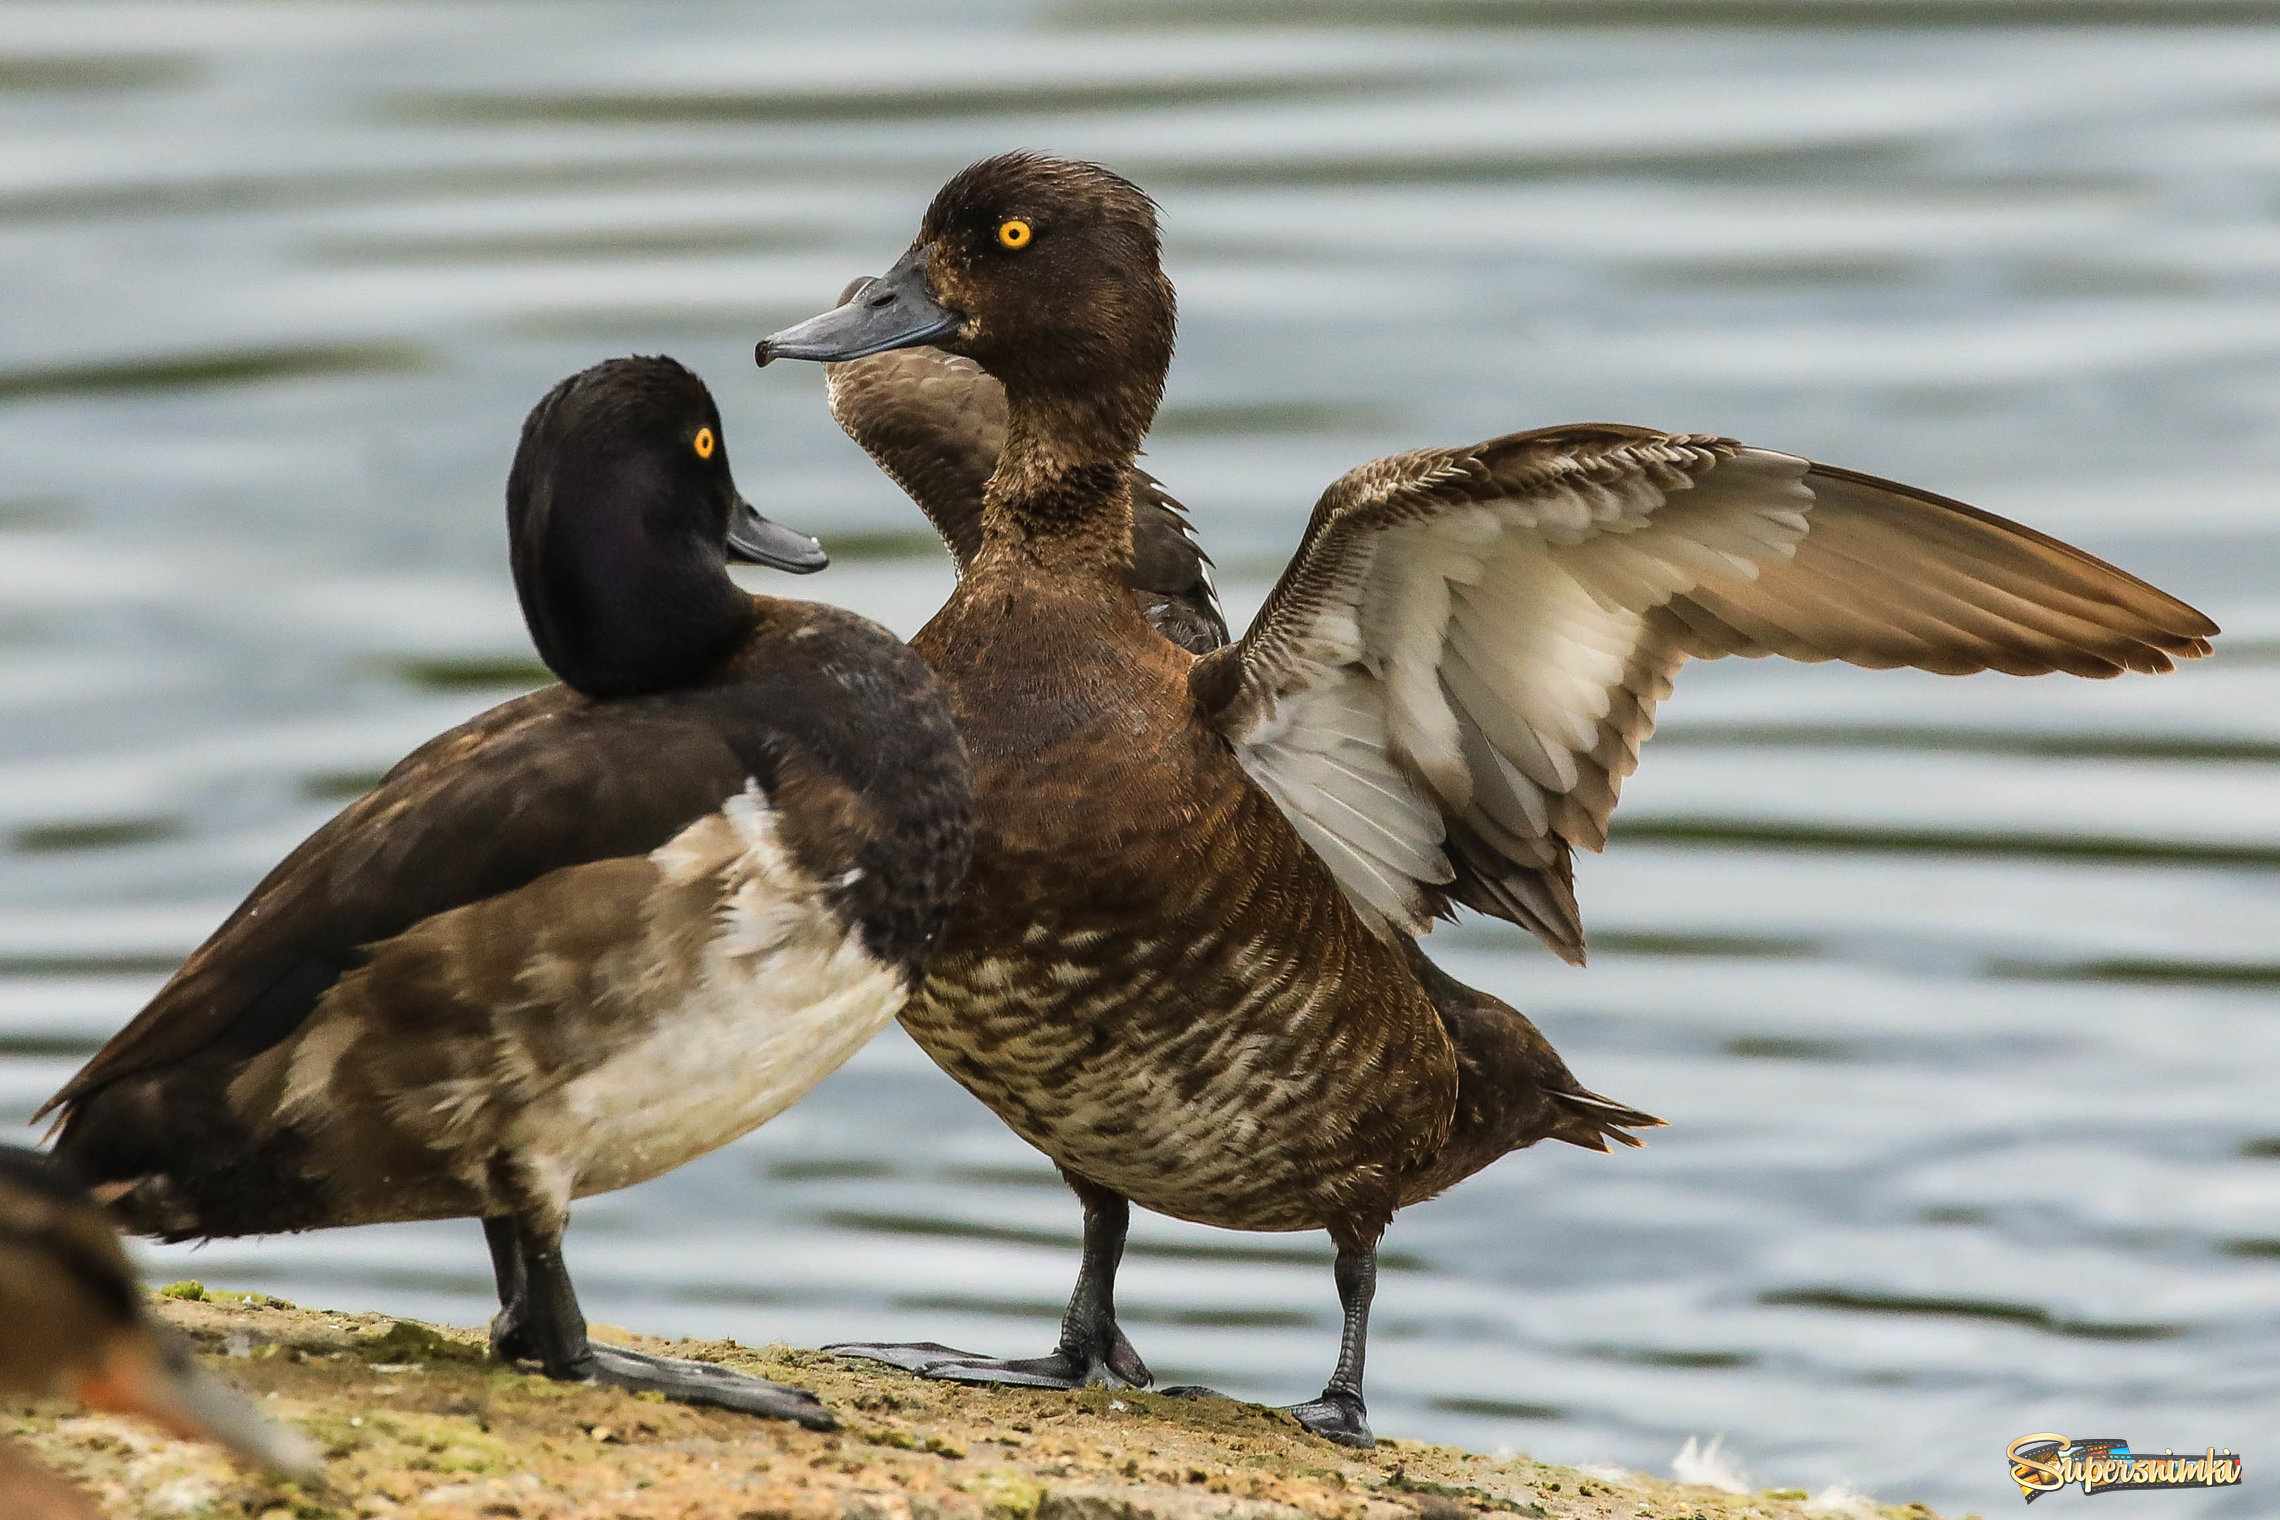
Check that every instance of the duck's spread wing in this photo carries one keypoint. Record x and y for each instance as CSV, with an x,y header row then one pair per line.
x,y
1453,677
541,783
934,422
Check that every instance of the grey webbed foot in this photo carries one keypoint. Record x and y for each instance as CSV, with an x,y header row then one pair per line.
x,y
1065,1367
1092,1350
913,1356
687,1382
539,1321
1338,1415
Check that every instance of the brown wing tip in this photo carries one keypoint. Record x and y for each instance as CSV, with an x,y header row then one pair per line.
x,y
2185,633
2159,653
83,1081
2143,626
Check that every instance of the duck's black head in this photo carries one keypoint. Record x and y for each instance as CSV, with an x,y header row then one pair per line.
x,y
622,516
1045,271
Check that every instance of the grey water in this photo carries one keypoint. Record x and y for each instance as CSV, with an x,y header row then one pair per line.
x,y
1962,996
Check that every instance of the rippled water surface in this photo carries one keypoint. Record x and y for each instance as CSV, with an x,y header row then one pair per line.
x,y
1960,995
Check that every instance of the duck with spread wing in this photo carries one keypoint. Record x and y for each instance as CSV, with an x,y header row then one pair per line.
x,y
1184,964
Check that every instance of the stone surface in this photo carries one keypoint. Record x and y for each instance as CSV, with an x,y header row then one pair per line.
x,y
418,1423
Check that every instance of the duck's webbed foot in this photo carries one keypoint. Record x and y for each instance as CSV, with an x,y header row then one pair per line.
x,y
687,1382
1092,1349
1068,1365
539,1321
1338,1415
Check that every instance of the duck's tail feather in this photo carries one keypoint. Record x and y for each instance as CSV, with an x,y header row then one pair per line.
x,y
1589,1120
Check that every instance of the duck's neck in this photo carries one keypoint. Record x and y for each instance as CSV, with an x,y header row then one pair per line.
x,y
1061,497
615,611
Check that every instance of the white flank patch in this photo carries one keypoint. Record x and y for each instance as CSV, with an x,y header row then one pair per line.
x,y
783,994
309,1080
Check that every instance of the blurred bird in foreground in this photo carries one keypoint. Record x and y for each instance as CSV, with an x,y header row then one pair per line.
x,y
73,1325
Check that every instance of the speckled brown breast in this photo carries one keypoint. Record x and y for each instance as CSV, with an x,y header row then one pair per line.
x,y
1151,978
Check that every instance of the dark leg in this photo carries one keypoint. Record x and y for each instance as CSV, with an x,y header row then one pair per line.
x,y
1091,1349
1339,1414
510,1333
546,1325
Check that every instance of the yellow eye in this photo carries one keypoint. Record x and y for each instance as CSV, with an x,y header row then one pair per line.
x,y
1014,234
704,443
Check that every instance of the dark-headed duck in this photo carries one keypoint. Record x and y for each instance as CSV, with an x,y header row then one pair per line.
x,y
1183,965
77,1328
584,937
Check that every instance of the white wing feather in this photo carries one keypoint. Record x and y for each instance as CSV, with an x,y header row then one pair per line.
x,y
1452,678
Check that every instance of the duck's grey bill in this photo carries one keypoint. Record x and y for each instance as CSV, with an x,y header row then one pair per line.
x,y
753,540
894,311
211,1402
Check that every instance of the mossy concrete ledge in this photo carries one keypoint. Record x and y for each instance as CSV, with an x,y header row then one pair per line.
x,y
419,1423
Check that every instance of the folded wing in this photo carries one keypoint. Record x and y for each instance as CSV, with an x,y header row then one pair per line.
x,y
546,781
1450,682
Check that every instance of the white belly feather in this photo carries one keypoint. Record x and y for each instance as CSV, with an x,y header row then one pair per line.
x,y
782,994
